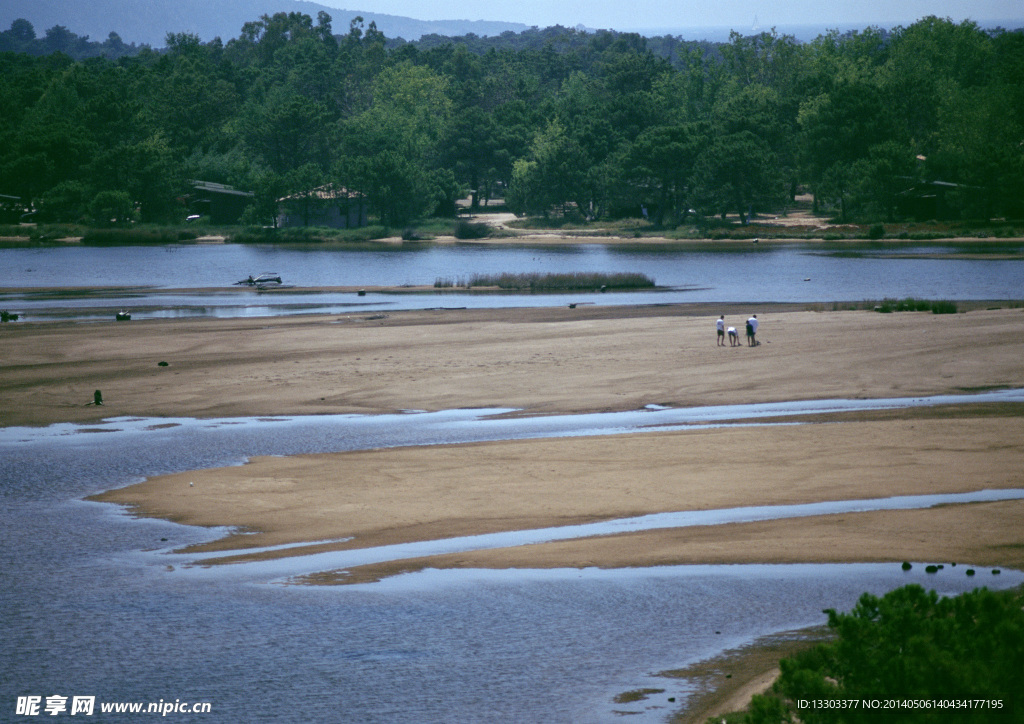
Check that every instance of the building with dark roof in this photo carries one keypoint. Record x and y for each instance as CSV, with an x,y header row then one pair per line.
x,y
335,207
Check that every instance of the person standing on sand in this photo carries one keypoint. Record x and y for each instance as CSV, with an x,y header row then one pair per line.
x,y
720,326
752,330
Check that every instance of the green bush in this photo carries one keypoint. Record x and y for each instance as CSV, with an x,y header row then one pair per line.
x,y
909,645
111,207
472,230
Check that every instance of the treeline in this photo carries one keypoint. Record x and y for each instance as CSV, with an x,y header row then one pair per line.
x,y
21,38
597,125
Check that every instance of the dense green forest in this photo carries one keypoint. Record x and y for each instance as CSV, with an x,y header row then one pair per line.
x,y
555,121
909,657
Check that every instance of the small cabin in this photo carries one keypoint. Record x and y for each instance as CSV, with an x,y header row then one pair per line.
x,y
219,203
332,206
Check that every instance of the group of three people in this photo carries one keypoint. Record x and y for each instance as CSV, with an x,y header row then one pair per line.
x,y
734,337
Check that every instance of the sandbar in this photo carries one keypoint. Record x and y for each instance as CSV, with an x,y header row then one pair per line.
x,y
556,361
541,361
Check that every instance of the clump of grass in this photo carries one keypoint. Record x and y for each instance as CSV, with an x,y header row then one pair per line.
x,y
887,306
628,697
535,282
412,234
308,235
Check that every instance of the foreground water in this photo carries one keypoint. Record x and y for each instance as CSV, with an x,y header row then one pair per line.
x,y
90,609
731,274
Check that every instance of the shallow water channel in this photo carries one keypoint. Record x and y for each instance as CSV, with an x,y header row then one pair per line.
x,y
90,608
709,273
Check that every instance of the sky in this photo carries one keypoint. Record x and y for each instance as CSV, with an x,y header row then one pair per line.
x,y
740,14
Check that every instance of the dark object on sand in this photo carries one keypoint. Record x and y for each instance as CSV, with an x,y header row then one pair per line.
x,y
97,398
123,316
161,363
6,316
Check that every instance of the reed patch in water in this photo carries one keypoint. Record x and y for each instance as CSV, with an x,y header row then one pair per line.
x,y
536,282
910,304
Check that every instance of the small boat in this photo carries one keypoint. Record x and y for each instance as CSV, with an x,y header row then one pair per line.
x,y
123,316
266,278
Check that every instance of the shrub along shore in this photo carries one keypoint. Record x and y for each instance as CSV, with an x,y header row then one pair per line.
x,y
967,237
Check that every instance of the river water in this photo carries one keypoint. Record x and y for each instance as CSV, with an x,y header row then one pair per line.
x,y
92,607
733,274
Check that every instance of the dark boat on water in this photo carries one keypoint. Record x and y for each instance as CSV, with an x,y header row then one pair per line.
x,y
266,278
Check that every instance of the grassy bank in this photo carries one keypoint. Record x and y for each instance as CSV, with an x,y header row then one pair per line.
x,y
968,237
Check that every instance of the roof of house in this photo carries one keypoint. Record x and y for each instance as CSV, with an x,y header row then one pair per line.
x,y
327,192
215,188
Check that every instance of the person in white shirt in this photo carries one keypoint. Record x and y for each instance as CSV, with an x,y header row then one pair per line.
x,y
720,326
752,331
734,337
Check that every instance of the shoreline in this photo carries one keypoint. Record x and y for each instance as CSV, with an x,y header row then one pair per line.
x,y
729,680
765,232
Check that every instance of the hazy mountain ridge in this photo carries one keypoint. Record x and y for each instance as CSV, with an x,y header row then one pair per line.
x,y
149,21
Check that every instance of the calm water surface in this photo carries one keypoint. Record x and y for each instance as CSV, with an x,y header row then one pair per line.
x,y
90,609
755,274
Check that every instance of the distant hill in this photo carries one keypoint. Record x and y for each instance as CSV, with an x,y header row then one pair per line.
x,y
148,21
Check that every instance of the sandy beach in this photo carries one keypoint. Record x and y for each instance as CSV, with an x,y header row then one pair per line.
x,y
546,361
542,361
